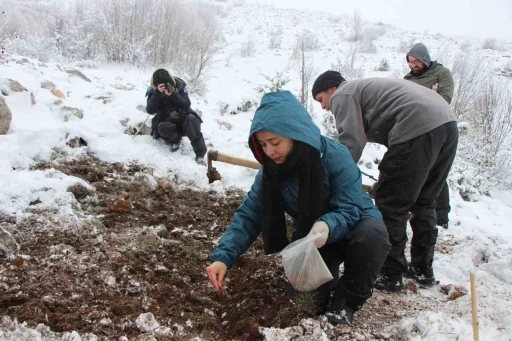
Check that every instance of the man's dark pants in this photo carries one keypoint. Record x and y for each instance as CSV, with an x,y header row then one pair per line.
x,y
189,126
412,175
443,205
362,251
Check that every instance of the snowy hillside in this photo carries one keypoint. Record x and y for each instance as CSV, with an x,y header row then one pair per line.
x,y
46,139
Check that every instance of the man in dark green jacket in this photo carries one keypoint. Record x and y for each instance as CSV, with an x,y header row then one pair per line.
x,y
430,74
434,76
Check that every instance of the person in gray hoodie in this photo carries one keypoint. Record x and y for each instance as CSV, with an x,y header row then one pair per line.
x,y
420,131
435,76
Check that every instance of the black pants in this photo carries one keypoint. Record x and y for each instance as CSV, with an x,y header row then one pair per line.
x,y
363,251
443,205
189,126
412,175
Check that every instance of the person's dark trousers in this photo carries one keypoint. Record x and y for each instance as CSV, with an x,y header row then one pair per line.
x,y
169,132
412,175
363,251
443,206
191,128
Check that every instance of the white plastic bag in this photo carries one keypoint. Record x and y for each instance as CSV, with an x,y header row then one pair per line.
x,y
303,265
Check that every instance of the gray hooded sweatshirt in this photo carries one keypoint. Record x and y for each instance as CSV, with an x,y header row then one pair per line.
x,y
385,111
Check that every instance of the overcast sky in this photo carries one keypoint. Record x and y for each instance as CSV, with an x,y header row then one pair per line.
x,y
477,18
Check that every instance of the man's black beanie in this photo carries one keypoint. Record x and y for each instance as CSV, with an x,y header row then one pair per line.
x,y
327,80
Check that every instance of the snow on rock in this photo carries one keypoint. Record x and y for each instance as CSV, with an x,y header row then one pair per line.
x,y
147,322
309,329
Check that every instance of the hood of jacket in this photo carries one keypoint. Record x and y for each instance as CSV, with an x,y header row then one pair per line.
x,y
179,84
281,113
420,52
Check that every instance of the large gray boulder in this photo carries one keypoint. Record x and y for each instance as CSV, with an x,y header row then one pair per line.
x,y
5,117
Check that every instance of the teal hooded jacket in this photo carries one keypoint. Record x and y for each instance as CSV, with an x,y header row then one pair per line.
x,y
280,113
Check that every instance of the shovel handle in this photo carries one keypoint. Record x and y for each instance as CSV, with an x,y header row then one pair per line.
x,y
214,155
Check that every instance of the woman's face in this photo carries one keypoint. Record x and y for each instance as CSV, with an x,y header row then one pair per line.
x,y
276,147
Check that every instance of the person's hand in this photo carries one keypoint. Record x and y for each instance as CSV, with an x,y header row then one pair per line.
x,y
216,273
435,86
163,90
323,229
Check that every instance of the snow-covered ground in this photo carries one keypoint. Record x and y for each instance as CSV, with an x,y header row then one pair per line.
x,y
478,241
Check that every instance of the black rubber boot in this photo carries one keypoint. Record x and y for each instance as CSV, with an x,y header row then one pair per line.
x,y
389,283
340,312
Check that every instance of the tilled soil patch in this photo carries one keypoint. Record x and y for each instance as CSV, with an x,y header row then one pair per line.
x,y
142,272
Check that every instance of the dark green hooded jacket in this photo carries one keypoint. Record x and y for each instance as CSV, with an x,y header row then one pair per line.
x,y
432,74
280,113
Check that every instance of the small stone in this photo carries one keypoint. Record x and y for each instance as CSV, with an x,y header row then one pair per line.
x,y
454,291
58,93
77,73
411,286
161,231
48,85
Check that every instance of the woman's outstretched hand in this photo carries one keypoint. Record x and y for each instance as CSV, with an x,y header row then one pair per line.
x,y
216,273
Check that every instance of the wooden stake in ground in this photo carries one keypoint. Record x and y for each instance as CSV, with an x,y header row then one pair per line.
x,y
472,281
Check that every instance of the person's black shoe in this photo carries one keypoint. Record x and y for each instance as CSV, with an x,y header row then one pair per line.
x,y
340,313
389,283
424,277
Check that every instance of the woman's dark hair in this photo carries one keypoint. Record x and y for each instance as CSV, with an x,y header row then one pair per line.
x,y
162,76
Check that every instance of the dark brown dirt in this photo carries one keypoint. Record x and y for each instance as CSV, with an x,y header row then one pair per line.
x,y
98,271
65,277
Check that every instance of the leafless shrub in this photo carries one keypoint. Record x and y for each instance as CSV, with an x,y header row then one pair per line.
x,y
305,41
405,45
248,47
275,37
469,71
485,139
466,46
366,46
305,65
374,32
356,27
492,115
141,32
383,65
491,44
348,65
364,37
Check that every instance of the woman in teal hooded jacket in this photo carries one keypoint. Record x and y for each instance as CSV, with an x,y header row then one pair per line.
x,y
315,180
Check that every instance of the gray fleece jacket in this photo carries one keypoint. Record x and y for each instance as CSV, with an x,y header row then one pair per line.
x,y
385,111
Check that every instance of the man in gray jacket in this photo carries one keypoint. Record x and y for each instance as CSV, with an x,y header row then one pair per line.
x,y
420,131
434,76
